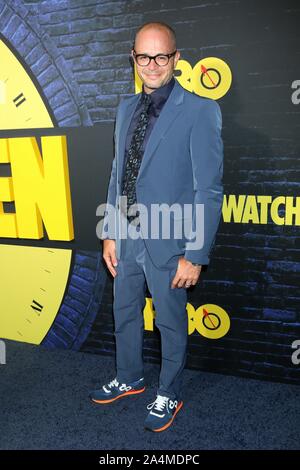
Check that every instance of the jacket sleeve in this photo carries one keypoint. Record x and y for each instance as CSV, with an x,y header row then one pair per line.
x,y
108,231
206,150
109,222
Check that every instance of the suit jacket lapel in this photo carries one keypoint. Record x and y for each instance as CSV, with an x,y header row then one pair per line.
x,y
125,121
168,114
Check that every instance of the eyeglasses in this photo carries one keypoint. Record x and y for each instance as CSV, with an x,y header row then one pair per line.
x,y
159,59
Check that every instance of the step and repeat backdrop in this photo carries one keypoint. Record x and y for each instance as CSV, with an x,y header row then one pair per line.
x,y
64,66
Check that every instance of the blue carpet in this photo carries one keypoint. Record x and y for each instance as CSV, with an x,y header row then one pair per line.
x,y
45,405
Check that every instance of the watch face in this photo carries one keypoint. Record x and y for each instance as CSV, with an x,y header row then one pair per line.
x,y
21,103
33,280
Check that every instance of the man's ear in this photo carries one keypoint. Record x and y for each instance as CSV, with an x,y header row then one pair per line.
x,y
131,59
176,58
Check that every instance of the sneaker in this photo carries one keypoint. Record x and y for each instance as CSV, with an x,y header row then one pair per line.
x,y
162,414
114,390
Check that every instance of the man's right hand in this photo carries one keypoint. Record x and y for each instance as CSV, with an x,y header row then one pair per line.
x,y
109,255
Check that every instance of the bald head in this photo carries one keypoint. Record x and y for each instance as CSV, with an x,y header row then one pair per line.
x,y
157,26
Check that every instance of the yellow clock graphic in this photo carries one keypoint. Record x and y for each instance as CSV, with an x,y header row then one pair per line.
x,y
32,279
215,321
211,77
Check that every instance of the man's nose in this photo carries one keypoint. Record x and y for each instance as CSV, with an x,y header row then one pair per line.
x,y
152,65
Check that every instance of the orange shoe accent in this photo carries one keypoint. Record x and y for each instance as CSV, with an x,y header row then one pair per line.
x,y
171,420
132,392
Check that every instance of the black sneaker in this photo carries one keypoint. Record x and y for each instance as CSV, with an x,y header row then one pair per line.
x,y
114,390
162,414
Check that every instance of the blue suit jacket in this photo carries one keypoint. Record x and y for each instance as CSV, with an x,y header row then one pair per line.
x,y
182,164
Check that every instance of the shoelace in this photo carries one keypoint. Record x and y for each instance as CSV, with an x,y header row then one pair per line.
x,y
159,403
113,383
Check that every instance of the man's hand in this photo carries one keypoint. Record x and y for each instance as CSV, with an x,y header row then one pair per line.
x,y
186,275
109,255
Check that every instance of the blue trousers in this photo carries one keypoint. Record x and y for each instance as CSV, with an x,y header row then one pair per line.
x,y
134,270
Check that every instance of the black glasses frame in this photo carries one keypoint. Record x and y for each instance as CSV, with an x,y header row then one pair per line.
x,y
150,57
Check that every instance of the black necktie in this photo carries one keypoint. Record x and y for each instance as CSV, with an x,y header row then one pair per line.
x,y
135,155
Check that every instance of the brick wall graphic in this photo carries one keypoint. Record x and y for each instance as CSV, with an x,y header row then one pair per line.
x,y
77,53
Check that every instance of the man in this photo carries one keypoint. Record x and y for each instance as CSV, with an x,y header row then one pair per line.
x,y
168,150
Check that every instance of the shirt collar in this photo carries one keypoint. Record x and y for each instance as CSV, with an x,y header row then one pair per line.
x,y
160,95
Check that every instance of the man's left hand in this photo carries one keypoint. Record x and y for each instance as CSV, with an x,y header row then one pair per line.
x,y
186,275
